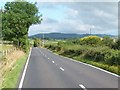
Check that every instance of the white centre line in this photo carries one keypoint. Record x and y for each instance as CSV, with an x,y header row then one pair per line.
x,y
53,61
61,68
83,87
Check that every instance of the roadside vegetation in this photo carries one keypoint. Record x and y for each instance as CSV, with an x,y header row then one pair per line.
x,y
11,77
101,52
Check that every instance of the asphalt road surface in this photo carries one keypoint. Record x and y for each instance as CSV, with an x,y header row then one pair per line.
x,y
47,70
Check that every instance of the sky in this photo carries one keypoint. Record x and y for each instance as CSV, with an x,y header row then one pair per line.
x,y
76,17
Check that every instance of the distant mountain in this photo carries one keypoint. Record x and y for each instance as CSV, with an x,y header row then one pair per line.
x,y
66,36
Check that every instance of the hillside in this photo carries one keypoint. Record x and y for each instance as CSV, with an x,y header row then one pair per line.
x,y
65,36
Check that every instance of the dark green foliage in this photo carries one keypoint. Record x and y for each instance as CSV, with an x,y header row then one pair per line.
x,y
36,42
116,45
17,18
107,41
97,53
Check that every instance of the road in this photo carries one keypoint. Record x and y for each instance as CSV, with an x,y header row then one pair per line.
x,y
47,70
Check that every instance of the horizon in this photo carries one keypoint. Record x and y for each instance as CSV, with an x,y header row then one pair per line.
x,y
72,33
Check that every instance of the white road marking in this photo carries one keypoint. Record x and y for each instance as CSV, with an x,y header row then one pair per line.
x,y
61,68
56,64
48,58
53,61
24,72
83,87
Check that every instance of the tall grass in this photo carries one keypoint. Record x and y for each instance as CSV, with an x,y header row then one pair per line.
x,y
11,77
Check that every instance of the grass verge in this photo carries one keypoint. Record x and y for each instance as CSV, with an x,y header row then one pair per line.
x,y
11,77
113,69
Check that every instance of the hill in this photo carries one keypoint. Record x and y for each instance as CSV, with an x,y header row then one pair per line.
x,y
65,36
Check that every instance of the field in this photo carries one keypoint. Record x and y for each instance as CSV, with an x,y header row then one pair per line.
x,y
5,47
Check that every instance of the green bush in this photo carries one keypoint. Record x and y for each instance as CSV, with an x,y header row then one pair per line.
x,y
107,41
93,53
36,42
90,40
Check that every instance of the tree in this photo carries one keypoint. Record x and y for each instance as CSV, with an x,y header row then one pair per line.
x,y
36,42
17,18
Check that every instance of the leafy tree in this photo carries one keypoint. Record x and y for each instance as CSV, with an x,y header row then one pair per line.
x,y
17,18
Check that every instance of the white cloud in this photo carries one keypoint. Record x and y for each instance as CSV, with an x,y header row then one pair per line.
x,y
80,17
72,13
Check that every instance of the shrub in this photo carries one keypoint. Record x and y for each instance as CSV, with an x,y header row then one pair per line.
x,y
112,58
97,53
90,40
107,41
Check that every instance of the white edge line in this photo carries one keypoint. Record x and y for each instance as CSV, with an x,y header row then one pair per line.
x,y
61,68
83,87
24,72
87,65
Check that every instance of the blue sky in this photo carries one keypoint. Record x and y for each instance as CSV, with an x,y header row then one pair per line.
x,y
77,17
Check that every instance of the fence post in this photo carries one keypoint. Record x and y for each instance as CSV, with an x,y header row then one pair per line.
x,y
6,52
2,53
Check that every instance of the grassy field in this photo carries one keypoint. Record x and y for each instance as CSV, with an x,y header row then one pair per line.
x,y
51,42
5,47
11,77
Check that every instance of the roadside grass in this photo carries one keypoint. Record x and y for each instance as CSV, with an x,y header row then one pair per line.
x,y
113,69
11,77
